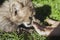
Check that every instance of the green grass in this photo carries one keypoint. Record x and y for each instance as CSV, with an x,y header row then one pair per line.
x,y
23,36
55,7
54,14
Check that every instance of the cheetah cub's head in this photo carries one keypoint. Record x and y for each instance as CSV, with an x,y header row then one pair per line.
x,y
21,14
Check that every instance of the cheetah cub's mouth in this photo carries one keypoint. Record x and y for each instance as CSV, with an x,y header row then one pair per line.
x,y
27,24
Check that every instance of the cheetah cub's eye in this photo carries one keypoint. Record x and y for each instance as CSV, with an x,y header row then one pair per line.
x,y
15,12
16,7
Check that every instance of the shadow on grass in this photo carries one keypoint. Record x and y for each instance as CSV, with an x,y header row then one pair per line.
x,y
43,12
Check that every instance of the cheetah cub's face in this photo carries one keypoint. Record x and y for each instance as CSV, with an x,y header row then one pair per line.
x,y
21,14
